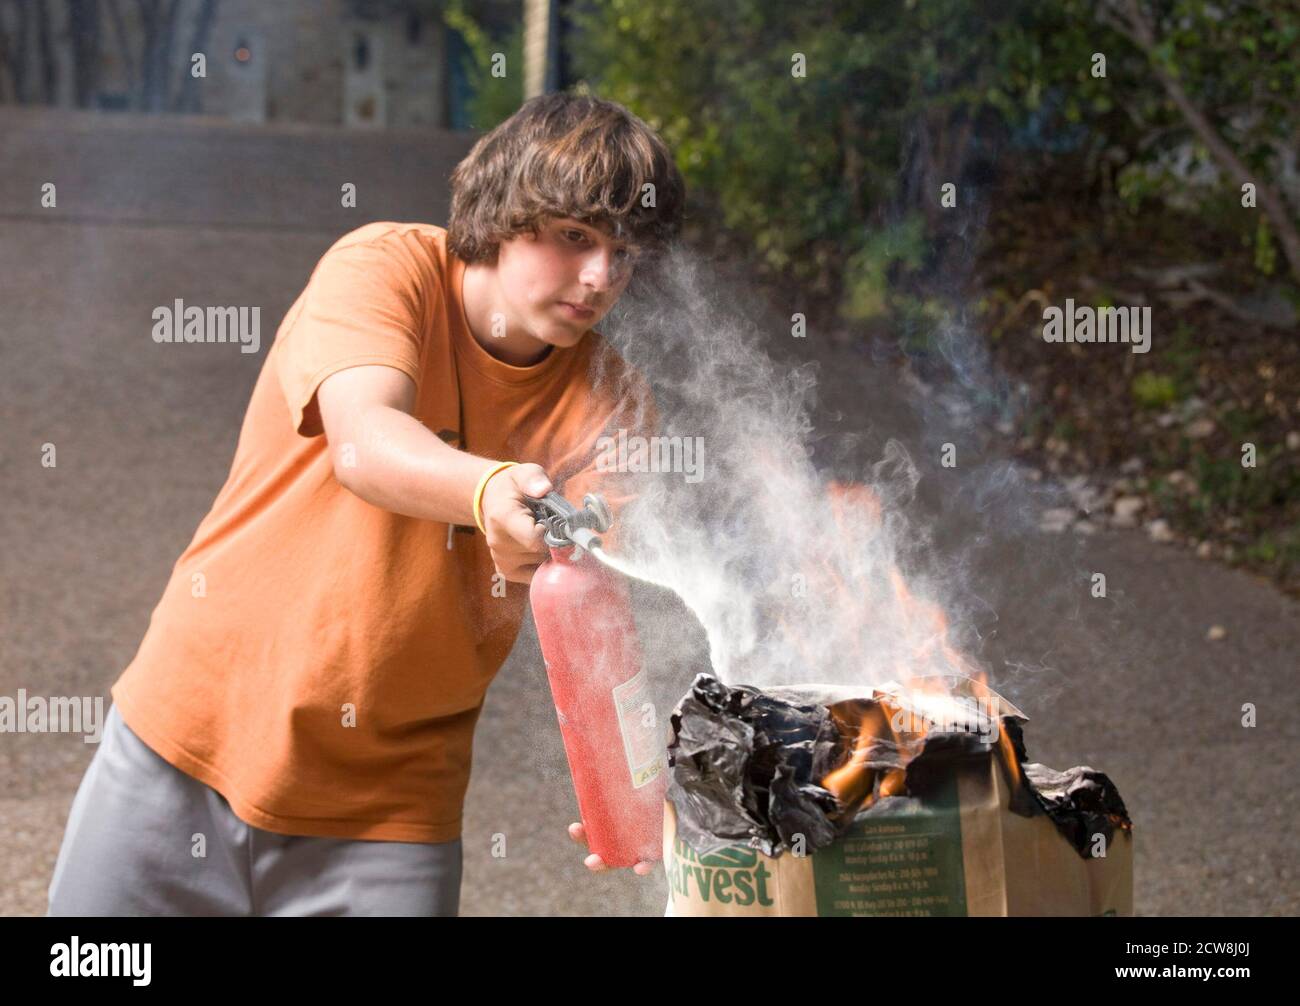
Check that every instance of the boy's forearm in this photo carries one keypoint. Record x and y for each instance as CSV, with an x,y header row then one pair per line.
x,y
402,466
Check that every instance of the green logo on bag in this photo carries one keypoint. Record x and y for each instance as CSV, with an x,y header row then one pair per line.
x,y
732,875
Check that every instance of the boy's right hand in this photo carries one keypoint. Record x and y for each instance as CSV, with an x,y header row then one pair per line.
x,y
513,537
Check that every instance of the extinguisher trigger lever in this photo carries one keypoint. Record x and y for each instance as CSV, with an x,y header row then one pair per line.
x,y
566,524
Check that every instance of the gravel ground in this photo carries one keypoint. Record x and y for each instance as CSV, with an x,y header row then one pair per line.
x,y
148,211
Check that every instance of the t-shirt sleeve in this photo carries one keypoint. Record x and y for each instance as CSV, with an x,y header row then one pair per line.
x,y
364,304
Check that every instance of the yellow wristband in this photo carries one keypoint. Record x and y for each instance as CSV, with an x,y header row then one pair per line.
x,y
482,484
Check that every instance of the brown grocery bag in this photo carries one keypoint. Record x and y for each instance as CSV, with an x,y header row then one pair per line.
x,y
961,851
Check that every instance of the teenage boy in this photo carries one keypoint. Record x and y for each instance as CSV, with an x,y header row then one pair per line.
x,y
293,736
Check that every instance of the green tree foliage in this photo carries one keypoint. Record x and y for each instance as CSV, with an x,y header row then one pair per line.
x,y
1222,81
833,178
495,68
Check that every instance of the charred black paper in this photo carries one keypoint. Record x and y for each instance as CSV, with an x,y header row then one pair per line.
x,y
743,769
745,765
1081,801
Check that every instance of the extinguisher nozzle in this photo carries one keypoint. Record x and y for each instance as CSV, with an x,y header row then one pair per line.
x,y
585,538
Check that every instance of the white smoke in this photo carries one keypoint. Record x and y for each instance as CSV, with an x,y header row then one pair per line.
x,y
790,586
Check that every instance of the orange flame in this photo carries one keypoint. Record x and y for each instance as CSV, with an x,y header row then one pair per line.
x,y
852,780
853,502
1009,758
853,505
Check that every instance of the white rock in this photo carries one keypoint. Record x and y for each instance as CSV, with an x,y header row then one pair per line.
x,y
1089,501
1204,550
1085,527
1179,479
1293,440
1216,633
1132,466
1084,496
1056,519
1160,531
1199,429
1126,509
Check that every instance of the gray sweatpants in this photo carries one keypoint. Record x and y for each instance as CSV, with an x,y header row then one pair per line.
x,y
138,825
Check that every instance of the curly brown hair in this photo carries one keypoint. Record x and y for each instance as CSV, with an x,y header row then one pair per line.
x,y
565,155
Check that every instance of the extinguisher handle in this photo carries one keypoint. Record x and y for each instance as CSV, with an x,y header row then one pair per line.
x,y
566,524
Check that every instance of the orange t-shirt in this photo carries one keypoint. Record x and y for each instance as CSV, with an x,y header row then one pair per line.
x,y
322,662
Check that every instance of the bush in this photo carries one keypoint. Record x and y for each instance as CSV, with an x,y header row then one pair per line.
x,y
1154,391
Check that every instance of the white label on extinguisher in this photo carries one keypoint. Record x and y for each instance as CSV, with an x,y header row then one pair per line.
x,y
641,738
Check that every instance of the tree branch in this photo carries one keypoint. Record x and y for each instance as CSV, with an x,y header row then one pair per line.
x,y
1137,29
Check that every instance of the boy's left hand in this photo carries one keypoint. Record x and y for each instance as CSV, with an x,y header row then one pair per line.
x,y
594,862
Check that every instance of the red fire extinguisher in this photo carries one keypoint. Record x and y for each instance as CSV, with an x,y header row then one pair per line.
x,y
615,748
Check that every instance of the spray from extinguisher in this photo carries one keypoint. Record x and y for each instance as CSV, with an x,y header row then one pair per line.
x,y
602,696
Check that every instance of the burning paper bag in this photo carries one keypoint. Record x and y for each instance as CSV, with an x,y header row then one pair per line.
x,y
913,801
